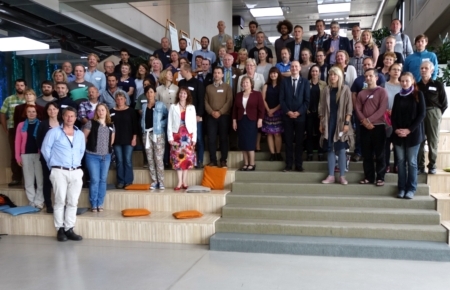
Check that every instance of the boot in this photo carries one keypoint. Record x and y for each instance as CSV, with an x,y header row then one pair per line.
x,y
61,236
72,236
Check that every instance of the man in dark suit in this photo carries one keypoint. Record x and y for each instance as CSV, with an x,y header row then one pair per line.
x,y
356,33
298,44
294,101
335,43
230,77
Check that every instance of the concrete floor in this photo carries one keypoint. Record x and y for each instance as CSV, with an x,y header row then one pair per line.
x,y
43,263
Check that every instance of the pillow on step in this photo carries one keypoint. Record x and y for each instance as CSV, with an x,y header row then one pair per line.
x,y
187,214
214,177
2,207
81,210
198,189
138,187
135,212
21,210
447,169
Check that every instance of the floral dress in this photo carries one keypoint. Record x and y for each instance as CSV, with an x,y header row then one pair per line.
x,y
183,155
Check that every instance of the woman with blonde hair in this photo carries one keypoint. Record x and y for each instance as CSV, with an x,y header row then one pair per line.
x,y
99,133
241,60
156,71
335,111
166,92
370,47
348,71
59,76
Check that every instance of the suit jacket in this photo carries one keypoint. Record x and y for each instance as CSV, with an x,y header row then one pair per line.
x,y
344,44
304,44
207,80
352,43
297,101
255,106
236,73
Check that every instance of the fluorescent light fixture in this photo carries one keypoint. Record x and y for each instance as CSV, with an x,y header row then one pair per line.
x,y
378,14
83,56
266,12
21,43
334,8
273,38
251,6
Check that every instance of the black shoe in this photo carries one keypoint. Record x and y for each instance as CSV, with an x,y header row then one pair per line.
x,y
309,158
320,157
119,186
14,183
214,163
287,169
421,171
49,209
356,158
61,236
299,169
72,236
199,165
252,168
273,157
279,157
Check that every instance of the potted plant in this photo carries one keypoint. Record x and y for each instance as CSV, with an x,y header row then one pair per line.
x,y
379,34
443,50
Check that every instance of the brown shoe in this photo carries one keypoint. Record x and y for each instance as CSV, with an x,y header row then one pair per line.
x,y
212,164
223,164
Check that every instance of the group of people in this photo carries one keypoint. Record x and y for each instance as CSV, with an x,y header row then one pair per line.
x,y
342,93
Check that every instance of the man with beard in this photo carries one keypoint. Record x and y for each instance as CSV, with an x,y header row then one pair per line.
x,y
47,94
335,43
204,52
183,52
318,39
109,95
254,52
93,75
284,28
6,117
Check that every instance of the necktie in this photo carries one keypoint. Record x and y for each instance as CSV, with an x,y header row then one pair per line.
x,y
200,78
293,84
227,77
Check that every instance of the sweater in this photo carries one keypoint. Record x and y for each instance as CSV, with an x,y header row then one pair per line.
x,y
218,98
413,62
371,104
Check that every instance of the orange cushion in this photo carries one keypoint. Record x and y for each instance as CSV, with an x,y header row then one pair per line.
x,y
138,187
214,177
187,214
135,212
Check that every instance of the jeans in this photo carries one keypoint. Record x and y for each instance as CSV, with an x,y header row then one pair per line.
x,y
200,145
218,126
98,166
407,179
124,167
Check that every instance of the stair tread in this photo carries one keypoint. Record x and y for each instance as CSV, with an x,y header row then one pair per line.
x,y
327,195
334,208
325,185
328,224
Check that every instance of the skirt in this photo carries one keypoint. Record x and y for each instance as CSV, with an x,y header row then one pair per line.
x,y
182,156
247,132
274,124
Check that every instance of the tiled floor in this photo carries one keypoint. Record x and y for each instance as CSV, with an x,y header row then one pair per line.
x,y
43,263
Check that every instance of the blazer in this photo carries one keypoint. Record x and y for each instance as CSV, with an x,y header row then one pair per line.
x,y
174,120
235,74
255,106
297,101
21,141
304,44
344,44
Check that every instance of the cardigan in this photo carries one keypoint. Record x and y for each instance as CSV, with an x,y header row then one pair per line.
x,y
21,141
345,108
218,98
255,106
174,121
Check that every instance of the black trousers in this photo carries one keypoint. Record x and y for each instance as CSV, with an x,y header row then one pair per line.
x,y
218,126
373,142
312,133
294,131
47,188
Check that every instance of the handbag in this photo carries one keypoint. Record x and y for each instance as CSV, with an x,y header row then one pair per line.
x,y
388,123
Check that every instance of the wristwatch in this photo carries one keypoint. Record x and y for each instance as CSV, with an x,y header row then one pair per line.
x,y
346,123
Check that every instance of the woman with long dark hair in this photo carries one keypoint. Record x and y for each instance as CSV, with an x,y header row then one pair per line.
x,y
408,113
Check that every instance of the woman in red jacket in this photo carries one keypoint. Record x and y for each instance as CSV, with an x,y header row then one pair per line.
x,y
248,113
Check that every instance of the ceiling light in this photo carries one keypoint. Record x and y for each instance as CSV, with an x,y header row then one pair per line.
x,y
334,8
266,12
273,38
21,43
251,6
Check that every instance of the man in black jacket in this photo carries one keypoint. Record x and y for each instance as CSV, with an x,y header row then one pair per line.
x,y
298,44
335,43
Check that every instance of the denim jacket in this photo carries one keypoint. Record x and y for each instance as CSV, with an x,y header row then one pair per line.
x,y
159,118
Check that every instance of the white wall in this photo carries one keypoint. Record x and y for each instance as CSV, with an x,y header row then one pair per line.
x,y
157,10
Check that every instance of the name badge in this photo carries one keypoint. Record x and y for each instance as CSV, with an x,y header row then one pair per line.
x,y
81,86
220,91
64,106
97,79
371,97
178,69
399,42
200,73
110,128
171,91
112,115
425,59
432,89
255,42
143,101
191,88
126,82
233,77
224,43
167,56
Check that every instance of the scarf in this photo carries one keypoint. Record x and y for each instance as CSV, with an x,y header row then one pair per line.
x,y
406,92
25,126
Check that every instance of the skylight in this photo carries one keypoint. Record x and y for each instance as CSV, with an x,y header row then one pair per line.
x,y
266,12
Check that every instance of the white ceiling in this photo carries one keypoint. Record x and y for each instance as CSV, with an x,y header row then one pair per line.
x,y
305,13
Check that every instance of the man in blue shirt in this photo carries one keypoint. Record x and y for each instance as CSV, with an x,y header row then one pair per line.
x,y
284,66
67,68
93,75
63,148
204,52
413,61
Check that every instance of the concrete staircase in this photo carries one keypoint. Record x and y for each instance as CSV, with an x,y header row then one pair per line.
x,y
271,211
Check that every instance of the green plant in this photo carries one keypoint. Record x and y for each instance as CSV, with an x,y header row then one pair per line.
x,y
238,42
443,50
379,34
445,77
